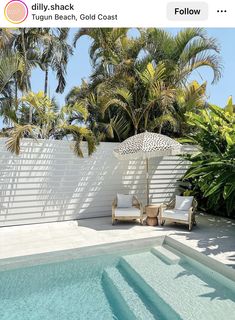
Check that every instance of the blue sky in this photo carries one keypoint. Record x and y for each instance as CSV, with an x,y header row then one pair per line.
x,y
79,68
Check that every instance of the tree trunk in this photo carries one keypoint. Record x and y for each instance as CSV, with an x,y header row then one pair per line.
x,y
16,93
26,71
161,124
46,81
25,58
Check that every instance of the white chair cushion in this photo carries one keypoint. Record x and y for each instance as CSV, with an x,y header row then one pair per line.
x,y
124,200
183,203
176,214
127,212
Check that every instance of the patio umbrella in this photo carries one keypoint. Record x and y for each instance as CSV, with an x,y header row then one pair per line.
x,y
147,145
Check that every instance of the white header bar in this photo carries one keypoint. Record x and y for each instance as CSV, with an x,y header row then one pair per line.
x,y
111,13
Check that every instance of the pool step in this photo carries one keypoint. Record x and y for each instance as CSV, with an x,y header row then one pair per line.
x,y
142,270
124,297
165,254
176,290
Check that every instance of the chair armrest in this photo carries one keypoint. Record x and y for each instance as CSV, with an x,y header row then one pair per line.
x,y
136,203
195,204
162,207
114,205
171,204
190,213
191,210
141,208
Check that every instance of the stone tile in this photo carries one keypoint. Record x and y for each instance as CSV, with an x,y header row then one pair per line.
x,y
212,236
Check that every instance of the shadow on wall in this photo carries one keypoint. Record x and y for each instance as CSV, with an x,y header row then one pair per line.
x,y
46,182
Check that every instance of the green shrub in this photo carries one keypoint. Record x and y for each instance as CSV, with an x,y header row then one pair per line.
x,y
211,176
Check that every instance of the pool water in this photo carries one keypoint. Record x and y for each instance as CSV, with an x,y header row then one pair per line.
x,y
145,285
65,290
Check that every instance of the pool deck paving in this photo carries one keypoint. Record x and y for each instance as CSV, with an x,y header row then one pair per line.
x,y
213,236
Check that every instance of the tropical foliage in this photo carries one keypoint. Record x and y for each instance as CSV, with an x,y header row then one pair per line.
x,y
211,175
48,123
35,115
137,83
145,80
35,48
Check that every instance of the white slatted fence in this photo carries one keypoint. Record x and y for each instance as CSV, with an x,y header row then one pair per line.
x,y
46,182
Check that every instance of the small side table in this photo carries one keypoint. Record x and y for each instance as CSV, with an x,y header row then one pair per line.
x,y
152,212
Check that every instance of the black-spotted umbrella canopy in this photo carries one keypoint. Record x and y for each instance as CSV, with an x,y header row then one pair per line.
x,y
147,145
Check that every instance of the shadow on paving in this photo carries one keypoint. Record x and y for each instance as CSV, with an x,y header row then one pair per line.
x,y
216,236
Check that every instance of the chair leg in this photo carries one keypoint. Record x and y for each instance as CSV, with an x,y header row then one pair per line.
x,y
190,226
162,222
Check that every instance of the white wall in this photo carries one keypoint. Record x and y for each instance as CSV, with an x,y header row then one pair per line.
x,y
46,182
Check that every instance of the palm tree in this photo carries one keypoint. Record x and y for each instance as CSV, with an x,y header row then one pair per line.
x,y
113,125
126,68
190,98
48,123
146,91
6,38
10,65
112,53
104,42
27,44
55,55
43,47
187,51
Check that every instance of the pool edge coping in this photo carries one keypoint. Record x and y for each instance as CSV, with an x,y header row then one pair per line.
x,y
112,248
77,253
202,258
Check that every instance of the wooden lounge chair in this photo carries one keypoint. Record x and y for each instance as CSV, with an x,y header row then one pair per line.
x,y
184,213
133,211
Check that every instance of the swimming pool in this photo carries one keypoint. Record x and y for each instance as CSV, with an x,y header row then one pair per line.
x,y
152,282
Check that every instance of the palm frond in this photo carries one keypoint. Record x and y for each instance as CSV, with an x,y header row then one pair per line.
x,y
16,134
78,134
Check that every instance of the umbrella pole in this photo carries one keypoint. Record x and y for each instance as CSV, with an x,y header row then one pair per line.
x,y
147,178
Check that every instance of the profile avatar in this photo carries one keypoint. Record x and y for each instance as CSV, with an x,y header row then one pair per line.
x,y
16,11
